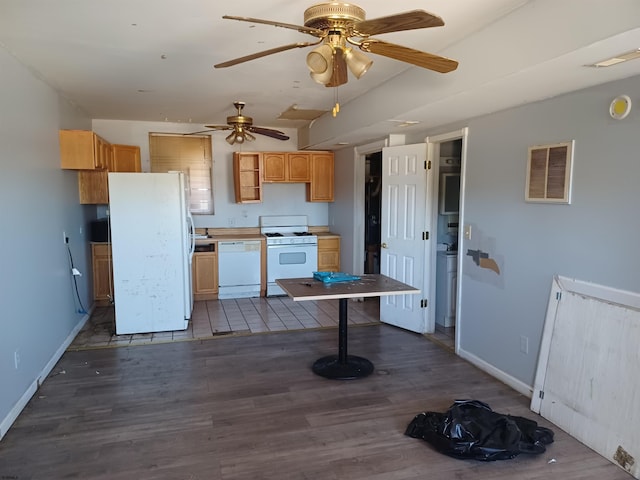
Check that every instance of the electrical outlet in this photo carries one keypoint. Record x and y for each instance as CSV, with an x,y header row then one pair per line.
x,y
65,239
16,358
524,344
231,221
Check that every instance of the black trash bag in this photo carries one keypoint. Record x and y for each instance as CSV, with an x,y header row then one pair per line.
x,y
470,429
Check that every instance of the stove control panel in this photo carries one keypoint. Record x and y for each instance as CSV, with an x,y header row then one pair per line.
x,y
295,240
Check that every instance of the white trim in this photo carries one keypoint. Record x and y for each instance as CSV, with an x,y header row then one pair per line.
x,y
7,421
433,149
505,378
545,345
623,298
359,153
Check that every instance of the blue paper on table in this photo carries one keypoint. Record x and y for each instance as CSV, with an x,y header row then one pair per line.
x,y
332,277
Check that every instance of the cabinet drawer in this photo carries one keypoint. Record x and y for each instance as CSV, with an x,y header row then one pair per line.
x,y
332,243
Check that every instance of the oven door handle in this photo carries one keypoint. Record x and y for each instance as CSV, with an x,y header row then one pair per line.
x,y
293,245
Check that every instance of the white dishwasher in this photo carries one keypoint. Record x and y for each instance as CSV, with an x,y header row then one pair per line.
x,y
238,269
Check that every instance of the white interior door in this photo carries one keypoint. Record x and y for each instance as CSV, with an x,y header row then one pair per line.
x,y
403,255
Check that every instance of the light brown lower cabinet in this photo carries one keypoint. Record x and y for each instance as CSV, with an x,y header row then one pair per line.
x,y
329,254
204,271
102,267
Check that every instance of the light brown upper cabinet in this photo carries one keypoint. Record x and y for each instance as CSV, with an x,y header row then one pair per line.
x,y
251,169
247,176
93,187
125,158
291,167
320,189
83,150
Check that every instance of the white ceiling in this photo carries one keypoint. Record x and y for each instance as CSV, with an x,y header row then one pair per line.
x,y
153,60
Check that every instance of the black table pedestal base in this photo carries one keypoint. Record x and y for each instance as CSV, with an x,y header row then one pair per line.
x,y
331,367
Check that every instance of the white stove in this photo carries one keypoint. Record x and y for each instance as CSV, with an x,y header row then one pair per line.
x,y
292,251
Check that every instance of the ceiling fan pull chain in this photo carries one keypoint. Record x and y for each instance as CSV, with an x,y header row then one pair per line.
x,y
336,107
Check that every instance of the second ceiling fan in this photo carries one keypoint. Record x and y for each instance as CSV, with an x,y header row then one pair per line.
x,y
342,26
242,128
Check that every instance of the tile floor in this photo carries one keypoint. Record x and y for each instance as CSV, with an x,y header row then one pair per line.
x,y
245,316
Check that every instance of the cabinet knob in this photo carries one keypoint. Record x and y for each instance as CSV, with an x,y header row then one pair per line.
x,y
384,245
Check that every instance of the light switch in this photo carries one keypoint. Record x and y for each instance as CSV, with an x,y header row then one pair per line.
x,y
467,232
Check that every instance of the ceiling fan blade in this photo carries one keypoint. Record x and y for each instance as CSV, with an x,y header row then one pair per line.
x,y
313,31
219,127
264,53
210,128
268,132
410,55
411,20
339,75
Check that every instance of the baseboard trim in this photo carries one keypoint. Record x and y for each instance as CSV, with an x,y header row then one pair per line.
x,y
517,385
35,385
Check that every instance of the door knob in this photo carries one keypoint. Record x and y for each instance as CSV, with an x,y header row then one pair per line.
x,y
384,245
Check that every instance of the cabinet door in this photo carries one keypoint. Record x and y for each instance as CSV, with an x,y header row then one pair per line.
x,y
102,273
329,254
274,169
102,152
93,187
299,167
77,149
205,275
321,187
125,158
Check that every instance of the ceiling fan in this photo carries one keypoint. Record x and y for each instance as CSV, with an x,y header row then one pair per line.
x,y
342,26
242,128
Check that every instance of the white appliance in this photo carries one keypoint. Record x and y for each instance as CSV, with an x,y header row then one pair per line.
x,y
152,249
239,269
446,281
292,251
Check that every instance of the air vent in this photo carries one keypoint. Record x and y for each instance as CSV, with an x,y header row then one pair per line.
x,y
549,173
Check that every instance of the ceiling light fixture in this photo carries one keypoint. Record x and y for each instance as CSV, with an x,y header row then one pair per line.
x,y
620,107
623,57
327,62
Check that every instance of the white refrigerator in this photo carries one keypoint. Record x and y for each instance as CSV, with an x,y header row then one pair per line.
x,y
152,247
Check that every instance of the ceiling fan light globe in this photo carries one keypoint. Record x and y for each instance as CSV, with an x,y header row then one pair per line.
x,y
322,78
320,59
231,138
357,62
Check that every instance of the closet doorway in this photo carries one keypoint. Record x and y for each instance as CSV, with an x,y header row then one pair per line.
x,y
372,211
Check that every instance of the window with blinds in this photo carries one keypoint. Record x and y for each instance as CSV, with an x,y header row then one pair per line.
x,y
191,155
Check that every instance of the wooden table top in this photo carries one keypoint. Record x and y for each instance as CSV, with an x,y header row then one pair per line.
x,y
369,285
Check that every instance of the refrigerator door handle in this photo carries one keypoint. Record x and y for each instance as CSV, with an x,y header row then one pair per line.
x,y
191,232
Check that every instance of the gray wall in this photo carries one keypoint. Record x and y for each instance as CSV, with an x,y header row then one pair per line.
x,y
594,239
37,297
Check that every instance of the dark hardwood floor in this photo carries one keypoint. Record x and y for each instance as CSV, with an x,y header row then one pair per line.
x,y
249,407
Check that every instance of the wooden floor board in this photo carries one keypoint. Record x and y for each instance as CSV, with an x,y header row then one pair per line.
x,y
249,407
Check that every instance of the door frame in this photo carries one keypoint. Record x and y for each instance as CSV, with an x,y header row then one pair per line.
x,y
433,154
360,153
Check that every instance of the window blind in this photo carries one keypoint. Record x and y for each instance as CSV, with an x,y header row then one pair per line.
x,y
191,155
